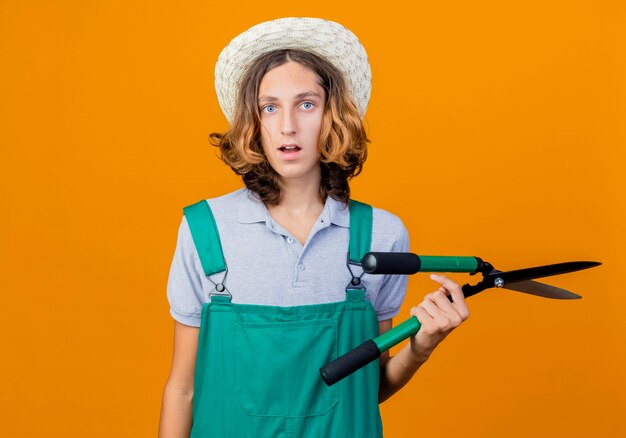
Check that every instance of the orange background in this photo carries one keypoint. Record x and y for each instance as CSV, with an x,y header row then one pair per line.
x,y
497,129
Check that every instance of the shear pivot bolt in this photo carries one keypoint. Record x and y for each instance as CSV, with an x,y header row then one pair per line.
x,y
498,282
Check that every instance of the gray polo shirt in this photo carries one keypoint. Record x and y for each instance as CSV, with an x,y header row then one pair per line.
x,y
268,266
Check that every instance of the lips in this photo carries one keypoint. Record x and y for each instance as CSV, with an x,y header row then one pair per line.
x,y
289,152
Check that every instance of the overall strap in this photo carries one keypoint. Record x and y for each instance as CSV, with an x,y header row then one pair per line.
x,y
360,230
206,237
360,242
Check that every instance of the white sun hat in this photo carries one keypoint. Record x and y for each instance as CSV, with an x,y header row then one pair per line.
x,y
324,38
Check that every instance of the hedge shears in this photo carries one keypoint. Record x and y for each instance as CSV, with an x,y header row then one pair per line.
x,y
520,280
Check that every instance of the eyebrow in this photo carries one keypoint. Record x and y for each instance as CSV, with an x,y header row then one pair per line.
x,y
298,96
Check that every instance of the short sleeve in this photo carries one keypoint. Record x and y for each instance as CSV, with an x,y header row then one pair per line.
x,y
390,235
184,284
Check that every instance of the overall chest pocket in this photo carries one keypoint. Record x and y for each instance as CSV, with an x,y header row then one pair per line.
x,y
277,367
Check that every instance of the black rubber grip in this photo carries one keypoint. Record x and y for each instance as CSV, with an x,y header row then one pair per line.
x,y
403,263
353,360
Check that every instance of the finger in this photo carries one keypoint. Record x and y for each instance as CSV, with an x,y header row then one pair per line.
x,y
453,312
437,295
429,296
456,311
433,293
444,321
458,307
451,286
441,299
433,310
422,315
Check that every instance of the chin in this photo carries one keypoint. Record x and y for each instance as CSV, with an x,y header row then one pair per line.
x,y
291,175
296,172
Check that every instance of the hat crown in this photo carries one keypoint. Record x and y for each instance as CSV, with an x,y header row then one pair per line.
x,y
324,38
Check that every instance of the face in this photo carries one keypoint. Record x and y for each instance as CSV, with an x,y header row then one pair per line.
x,y
291,104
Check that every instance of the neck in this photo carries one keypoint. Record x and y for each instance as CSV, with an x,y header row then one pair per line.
x,y
299,197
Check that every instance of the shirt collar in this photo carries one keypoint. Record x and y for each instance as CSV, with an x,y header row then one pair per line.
x,y
252,210
338,212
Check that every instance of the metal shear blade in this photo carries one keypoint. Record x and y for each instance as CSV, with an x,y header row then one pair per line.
x,y
520,280
541,290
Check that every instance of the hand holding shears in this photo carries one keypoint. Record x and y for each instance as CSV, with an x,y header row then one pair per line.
x,y
439,313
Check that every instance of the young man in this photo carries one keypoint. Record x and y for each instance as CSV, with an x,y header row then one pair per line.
x,y
259,285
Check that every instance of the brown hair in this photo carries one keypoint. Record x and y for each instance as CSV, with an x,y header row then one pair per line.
x,y
343,141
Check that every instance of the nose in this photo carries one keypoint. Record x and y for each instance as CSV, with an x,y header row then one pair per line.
x,y
288,123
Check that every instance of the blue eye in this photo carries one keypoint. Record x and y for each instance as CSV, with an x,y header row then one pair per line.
x,y
308,105
269,108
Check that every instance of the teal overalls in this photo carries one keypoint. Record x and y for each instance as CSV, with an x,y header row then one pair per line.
x,y
257,367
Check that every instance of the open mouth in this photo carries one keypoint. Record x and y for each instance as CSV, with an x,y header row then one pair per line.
x,y
289,148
